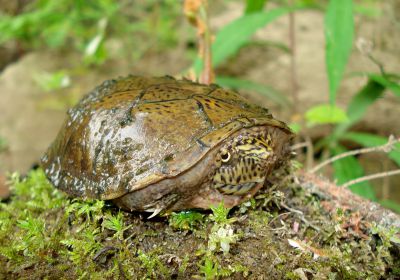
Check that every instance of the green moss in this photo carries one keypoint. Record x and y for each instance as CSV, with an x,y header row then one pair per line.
x,y
44,234
152,264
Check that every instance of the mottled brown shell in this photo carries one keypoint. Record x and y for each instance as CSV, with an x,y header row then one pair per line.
x,y
135,131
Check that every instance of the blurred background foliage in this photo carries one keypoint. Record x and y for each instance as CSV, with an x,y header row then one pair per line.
x,y
86,26
106,30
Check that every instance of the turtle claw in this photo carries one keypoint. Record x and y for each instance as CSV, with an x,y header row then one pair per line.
x,y
155,213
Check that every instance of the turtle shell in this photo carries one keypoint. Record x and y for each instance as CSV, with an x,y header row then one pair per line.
x,y
131,132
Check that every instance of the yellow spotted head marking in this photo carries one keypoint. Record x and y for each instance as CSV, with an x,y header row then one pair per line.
x,y
257,148
241,164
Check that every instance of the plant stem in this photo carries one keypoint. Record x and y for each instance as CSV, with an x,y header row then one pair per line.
x,y
301,215
383,148
386,181
299,146
207,76
197,14
371,177
293,70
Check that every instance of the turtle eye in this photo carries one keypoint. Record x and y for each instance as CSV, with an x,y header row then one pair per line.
x,y
226,156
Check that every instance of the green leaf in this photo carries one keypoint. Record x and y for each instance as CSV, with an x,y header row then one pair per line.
x,y
349,168
254,6
185,220
339,30
359,105
55,34
237,33
267,91
324,114
372,140
384,81
209,269
269,43
363,99
295,127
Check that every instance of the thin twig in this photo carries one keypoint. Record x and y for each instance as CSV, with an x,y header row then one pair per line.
x,y
377,63
383,148
386,180
278,216
299,146
301,216
121,271
293,70
103,251
371,177
309,153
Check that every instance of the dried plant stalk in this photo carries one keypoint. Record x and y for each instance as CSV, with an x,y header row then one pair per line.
x,y
371,177
197,13
383,148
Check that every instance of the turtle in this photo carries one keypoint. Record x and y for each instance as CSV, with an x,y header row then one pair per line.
x,y
163,144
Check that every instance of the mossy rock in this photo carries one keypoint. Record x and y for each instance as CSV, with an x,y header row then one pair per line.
x,y
283,233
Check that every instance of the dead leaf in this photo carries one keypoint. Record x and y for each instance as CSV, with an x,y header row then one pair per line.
x,y
302,246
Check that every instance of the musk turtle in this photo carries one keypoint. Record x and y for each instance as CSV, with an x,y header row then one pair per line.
x,y
152,144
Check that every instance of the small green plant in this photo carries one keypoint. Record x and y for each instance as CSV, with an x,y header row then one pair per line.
x,y
30,239
220,214
222,234
35,192
115,223
90,209
34,229
83,247
209,269
154,267
222,238
388,236
186,220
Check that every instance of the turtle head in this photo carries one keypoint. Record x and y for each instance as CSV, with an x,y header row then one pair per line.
x,y
241,164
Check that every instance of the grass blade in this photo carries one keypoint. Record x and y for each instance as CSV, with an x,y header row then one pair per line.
x,y
339,31
253,6
359,105
237,33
